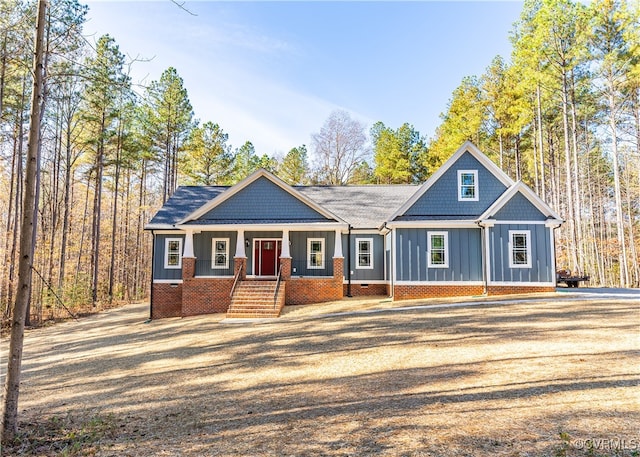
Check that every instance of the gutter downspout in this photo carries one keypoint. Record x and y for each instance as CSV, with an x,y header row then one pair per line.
x,y
153,258
349,262
485,279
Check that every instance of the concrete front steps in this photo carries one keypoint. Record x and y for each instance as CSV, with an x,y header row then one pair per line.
x,y
254,299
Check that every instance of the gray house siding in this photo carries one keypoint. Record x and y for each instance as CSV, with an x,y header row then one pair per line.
x,y
262,201
519,208
203,250
298,250
464,255
377,273
159,271
441,199
541,254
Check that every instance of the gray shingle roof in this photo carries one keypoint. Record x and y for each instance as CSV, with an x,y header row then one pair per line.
x,y
184,201
362,207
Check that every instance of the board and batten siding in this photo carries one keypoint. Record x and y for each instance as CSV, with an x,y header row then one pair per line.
x,y
376,273
541,252
464,254
203,250
159,271
298,250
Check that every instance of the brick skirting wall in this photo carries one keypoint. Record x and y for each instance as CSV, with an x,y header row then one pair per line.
x,y
206,295
508,290
303,291
412,292
167,300
357,290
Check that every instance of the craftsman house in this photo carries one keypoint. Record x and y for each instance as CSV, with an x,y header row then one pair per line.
x,y
251,248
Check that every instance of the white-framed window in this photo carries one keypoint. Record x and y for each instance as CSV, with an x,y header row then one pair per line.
x,y
519,248
438,249
364,253
173,253
315,253
468,185
220,251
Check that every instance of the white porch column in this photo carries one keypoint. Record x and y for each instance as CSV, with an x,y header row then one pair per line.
x,y
240,252
337,250
285,244
188,244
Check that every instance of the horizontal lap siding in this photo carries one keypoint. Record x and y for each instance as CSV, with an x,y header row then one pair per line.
x,y
464,251
541,252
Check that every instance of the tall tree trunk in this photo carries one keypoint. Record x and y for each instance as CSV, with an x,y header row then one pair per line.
x,y
543,179
12,385
97,206
571,245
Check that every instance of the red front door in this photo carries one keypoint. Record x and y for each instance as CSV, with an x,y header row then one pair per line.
x,y
266,257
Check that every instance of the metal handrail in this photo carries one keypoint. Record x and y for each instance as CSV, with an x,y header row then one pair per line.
x,y
275,294
235,281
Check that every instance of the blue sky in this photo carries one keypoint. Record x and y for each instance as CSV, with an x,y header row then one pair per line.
x,y
272,72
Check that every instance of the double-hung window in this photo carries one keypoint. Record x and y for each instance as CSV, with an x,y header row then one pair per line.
x,y
173,253
519,248
315,253
468,185
438,249
220,250
364,253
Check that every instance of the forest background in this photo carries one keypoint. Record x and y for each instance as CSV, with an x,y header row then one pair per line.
x,y
561,113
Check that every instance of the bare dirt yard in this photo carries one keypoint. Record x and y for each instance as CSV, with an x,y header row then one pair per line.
x,y
548,375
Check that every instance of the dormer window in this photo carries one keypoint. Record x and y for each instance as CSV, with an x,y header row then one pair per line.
x,y
468,185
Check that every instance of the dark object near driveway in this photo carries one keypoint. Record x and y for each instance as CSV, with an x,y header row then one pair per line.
x,y
570,280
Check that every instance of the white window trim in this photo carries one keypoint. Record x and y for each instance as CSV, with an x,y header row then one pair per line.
x,y
370,266
527,234
213,254
475,185
166,253
446,250
322,245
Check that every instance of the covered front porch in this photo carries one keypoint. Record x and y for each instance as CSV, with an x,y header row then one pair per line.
x,y
306,262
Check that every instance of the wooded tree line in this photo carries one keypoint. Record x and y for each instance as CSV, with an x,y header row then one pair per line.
x,y
563,115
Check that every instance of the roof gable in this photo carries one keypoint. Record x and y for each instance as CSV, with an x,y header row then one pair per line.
x,y
438,196
260,198
520,203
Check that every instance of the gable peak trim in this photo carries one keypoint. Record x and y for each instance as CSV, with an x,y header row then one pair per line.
x,y
253,177
472,149
529,194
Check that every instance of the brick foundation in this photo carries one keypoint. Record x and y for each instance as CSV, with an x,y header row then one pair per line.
x,y
431,291
357,290
509,290
206,295
167,300
303,291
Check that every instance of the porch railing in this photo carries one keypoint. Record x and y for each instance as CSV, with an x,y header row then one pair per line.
x,y
275,294
235,280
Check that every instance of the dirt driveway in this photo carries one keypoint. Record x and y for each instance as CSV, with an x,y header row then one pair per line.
x,y
553,375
